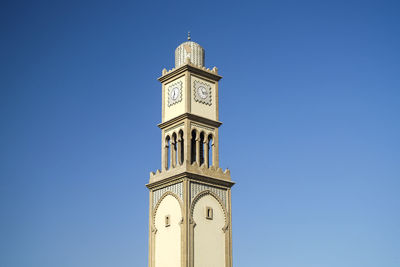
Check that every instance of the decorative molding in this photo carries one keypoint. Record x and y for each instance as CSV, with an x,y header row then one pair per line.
x,y
206,100
197,188
211,74
189,116
177,189
177,84
200,174
193,124
175,127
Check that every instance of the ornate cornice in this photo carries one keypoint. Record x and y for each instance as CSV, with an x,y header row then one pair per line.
x,y
189,116
193,69
215,177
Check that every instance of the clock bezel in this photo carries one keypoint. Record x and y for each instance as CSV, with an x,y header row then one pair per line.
x,y
171,88
197,97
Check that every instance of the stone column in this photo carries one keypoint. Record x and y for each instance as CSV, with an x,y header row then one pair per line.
x,y
173,154
205,146
198,148
166,156
214,156
179,149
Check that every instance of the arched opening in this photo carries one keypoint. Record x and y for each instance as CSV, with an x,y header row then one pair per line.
x,y
173,150
167,152
167,238
193,147
209,148
209,240
181,147
201,148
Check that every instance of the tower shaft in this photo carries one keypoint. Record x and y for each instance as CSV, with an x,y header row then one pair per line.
x,y
190,197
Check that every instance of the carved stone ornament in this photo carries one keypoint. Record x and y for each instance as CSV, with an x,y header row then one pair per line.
x,y
196,188
202,92
174,93
175,188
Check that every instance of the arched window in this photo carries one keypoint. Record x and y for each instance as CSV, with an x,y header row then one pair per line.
x,y
173,150
181,148
167,152
210,150
193,147
201,148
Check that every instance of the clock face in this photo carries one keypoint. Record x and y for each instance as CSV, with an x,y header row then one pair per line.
x,y
202,92
174,93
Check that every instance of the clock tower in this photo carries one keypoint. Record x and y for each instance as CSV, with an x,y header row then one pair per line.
x,y
190,221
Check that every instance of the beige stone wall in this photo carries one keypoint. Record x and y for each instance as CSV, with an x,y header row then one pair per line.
x,y
201,109
209,237
168,239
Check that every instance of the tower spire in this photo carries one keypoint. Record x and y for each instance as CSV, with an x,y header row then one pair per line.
x,y
189,36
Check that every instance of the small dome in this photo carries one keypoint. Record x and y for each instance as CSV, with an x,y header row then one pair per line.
x,y
190,50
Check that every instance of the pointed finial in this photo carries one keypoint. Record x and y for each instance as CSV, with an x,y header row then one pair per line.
x,y
189,36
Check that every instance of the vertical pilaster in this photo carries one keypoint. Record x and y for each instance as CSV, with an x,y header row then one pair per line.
x,y
230,256
163,103
188,91
186,210
215,150
216,102
150,228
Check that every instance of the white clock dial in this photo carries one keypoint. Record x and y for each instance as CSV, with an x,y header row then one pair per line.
x,y
174,93
202,92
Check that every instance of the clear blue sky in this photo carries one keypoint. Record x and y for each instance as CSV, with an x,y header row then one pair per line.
x,y
310,102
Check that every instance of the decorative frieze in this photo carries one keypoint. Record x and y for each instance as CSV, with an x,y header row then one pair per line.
x,y
196,188
201,126
175,188
175,129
